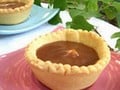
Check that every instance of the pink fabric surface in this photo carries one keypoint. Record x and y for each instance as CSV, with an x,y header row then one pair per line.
x,y
15,74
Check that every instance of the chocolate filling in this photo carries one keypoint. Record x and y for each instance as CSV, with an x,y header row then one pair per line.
x,y
14,4
67,52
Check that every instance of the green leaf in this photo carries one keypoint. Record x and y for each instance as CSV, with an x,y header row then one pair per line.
x,y
117,0
116,35
79,22
70,1
118,44
71,6
88,15
37,2
74,12
60,4
85,14
107,1
110,12
81,6
55,20
76,4
51,2
68,24
92,5
116,5
118,19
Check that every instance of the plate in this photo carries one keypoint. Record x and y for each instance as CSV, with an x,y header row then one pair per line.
x,y
37,17
15,74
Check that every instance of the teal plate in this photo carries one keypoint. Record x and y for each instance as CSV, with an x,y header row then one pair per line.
x,y
37,17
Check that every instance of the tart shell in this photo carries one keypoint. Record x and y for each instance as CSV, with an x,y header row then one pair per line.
x,y
58,76
16,15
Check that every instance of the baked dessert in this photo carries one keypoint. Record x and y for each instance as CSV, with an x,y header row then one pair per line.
x,y
14,11
68,59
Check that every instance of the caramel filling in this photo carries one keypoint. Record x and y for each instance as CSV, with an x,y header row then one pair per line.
x,y
14,4
67,52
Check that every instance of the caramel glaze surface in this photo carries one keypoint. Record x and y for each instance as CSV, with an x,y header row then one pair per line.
x,y
67,52
15,4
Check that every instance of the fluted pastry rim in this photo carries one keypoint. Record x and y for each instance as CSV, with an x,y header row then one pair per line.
x,y
28,4
66,69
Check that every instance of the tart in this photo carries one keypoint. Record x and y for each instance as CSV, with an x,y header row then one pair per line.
x,y
14,11
68,73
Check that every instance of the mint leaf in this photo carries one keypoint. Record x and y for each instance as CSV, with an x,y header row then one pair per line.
x,y
37,2
61,4
75,12
117,0
116,35
92,5
55,20
118,44
79,22
116,5
51,2
85,14
71,6
118,19
68,24
110,12
76,4
107,1
81,6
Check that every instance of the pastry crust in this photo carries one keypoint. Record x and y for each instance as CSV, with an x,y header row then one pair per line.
x,y
58,76
16,15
